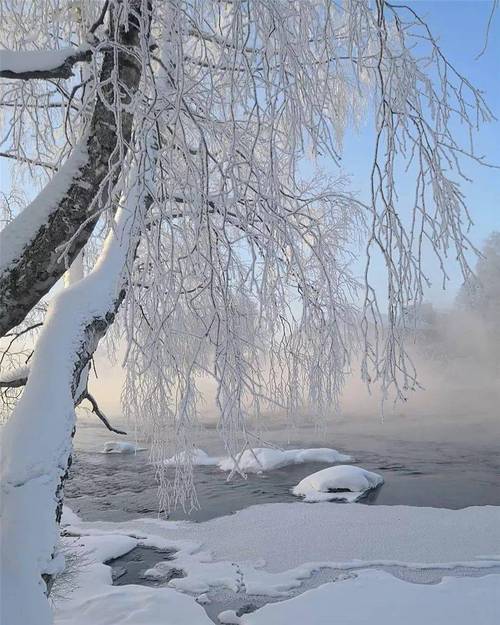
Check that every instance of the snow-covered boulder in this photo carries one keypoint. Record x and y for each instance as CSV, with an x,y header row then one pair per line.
x,y
197,457
262,459
121,447
343,482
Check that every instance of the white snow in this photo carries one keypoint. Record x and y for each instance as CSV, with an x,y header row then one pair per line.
x,y
262,459
121,447
375,597
19,61
69,517
321,486
195,456
222,552
340,534
36,440
15,374
93,599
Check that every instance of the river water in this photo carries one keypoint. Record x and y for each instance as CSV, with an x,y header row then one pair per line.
x,y
425,461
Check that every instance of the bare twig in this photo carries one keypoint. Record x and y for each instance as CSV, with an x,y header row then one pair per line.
x,y
98,412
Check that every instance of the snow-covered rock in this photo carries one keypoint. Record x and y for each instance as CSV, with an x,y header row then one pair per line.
x,y
262,459
120,447
195,456
343,482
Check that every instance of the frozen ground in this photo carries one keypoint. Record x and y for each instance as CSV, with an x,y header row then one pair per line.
x,y
253,561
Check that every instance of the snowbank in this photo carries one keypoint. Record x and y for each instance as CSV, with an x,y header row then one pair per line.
x,y
377,597
120,447
195,456
265,459
343,482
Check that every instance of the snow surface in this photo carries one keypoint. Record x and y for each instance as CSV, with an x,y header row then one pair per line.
x,y
321,486
121,447
20,61
265,459
69,517
196,457
356,597
95,601
375,597
332,533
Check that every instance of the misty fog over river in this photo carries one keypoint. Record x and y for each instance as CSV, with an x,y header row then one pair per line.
x,y
426,460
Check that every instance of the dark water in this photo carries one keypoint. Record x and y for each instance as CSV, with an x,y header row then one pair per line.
x,y
446,473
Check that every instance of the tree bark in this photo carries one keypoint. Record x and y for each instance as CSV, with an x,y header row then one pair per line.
x,y
36,266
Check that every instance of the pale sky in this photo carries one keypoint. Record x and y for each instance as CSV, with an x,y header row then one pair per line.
x,y
460,27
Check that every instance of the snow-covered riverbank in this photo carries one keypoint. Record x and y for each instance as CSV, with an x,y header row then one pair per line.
x,y
281,552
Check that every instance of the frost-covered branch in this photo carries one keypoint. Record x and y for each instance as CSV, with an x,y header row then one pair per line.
x,y
239,267
41,64
39,244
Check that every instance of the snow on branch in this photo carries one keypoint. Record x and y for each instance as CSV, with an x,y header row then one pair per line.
x,y
38,245
14,378
46,64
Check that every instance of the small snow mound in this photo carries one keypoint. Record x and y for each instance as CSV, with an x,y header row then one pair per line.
x,y
120,447
229,617
262,459
195,456
343,482
69,517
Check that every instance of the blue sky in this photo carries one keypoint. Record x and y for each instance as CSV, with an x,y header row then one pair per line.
x,y
460,27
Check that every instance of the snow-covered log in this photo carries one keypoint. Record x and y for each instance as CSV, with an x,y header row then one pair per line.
x,y
65,211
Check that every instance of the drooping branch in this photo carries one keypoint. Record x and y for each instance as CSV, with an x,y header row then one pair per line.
x,y
19,377
41,64
64,213
98,412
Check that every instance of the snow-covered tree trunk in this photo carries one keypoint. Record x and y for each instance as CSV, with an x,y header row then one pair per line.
x,y
40,243
37,438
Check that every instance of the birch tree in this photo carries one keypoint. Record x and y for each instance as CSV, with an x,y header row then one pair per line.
x,y
165,143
